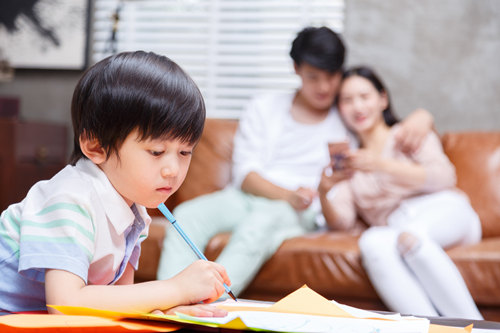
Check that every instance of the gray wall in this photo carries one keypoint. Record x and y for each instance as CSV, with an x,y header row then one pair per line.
x,y
441,55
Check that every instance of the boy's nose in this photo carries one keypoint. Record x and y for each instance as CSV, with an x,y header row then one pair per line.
x,y
170,169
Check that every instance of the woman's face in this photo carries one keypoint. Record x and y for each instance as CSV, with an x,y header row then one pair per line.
x,y
361,104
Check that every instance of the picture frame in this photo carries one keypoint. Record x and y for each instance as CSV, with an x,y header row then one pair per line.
x,y
45,34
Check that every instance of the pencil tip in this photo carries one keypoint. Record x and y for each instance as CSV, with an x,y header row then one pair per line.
x,y
232,296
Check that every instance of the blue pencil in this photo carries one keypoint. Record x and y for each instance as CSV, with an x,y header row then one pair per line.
x,y
177,227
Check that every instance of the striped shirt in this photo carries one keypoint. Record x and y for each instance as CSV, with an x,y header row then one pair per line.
x,y
75,222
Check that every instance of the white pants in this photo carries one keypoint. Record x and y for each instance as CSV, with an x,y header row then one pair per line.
x,y
424,281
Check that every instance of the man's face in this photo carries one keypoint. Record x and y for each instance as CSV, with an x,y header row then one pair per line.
x,y
319,87
148,171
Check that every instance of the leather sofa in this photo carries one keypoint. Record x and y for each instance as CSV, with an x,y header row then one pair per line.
x,y
329,261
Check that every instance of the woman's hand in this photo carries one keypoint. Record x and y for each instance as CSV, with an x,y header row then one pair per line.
x,y
330,177
364,160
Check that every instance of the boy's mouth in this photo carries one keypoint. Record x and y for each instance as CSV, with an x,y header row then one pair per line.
x,y
165,190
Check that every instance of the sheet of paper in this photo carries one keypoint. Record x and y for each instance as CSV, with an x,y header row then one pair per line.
x,y
291,322
301,311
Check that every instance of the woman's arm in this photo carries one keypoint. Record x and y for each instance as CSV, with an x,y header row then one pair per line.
x,y
337,206
426,170
401,171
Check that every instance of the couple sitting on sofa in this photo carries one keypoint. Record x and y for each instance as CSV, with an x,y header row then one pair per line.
x,y
399,181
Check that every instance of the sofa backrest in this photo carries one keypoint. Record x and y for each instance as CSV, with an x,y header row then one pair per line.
x,y
210,168
476,157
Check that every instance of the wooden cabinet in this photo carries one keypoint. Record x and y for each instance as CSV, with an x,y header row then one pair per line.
x,y
29,152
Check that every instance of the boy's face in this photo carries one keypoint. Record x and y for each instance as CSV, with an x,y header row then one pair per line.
x,y
147,172
319,87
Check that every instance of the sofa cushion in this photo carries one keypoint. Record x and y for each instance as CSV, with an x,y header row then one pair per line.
x,y
476,157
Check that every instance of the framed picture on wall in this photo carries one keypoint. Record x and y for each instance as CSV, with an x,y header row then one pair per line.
x,y
46,34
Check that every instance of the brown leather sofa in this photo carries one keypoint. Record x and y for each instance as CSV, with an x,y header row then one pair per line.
x,y
329,262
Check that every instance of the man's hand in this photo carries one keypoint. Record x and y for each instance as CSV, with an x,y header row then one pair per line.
x,y
301,198
413,130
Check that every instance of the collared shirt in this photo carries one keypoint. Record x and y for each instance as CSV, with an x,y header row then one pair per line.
x,y
75,222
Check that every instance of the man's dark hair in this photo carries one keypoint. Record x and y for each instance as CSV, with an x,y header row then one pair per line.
x,y
319,47
135,90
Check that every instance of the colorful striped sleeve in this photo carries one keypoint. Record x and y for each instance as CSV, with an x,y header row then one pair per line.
x,y
59,236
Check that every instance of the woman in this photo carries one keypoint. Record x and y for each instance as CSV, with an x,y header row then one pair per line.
x,y
410,201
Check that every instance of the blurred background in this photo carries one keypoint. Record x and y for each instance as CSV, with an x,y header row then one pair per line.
x,y
440,55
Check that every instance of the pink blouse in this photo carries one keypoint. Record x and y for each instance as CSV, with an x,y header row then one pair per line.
x,y
374,195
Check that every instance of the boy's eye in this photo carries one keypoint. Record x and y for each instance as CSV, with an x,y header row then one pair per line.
x,y
186,153
155,153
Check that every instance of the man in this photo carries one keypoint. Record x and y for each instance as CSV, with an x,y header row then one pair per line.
x,y
280,149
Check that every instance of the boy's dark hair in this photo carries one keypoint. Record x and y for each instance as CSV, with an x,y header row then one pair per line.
x,y
135,90
319,47
369,74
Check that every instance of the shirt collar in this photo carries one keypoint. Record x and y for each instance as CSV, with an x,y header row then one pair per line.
x,y
119,214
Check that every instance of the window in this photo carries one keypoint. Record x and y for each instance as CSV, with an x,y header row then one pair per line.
x,y
233,49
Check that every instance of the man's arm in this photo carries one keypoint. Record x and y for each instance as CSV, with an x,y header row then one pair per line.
x,y
414,129
299,199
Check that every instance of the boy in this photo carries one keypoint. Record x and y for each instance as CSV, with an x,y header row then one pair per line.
x,y
75,239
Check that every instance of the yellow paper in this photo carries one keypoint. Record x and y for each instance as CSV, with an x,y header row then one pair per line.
x,y
449,329
302,301
306,301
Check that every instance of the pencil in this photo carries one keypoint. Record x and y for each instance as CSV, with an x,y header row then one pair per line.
x,y
177,227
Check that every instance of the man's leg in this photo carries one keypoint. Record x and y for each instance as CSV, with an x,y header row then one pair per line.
x,y
257,238
201,219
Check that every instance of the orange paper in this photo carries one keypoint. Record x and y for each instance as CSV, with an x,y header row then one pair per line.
x,y
65,323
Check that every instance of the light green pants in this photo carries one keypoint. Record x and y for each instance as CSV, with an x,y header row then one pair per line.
x,y
258,227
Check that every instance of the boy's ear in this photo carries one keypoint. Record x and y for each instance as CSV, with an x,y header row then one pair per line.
x,y
91,147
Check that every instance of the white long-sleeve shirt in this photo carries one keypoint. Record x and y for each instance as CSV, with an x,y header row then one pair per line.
x,y
283,151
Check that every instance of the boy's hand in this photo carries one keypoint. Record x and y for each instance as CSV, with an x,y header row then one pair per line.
x,y
202,281
196,310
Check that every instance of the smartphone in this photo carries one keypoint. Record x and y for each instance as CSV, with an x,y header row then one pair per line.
x,y
338,153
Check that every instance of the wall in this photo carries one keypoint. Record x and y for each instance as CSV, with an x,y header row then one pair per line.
x,y
441,55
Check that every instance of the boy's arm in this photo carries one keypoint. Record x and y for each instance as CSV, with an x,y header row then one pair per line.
x,y
127,276
202,281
